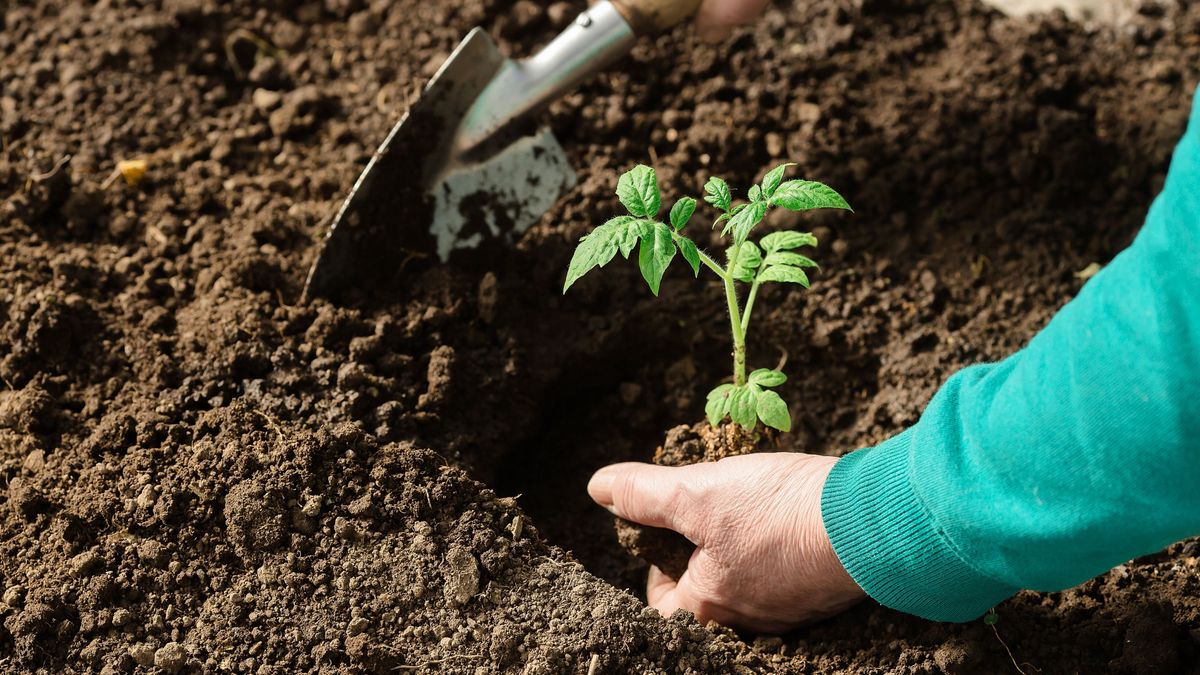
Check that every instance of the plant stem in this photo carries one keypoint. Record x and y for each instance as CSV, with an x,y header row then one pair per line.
x,y
737,326
713,265
750,304
707,260
735,321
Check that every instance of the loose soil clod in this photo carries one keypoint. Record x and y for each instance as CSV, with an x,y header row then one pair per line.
x,y
197,473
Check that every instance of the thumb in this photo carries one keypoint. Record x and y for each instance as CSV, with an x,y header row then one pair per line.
x,y
657,496
667,595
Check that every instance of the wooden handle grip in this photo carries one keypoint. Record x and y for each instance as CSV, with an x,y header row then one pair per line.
x,y
650,17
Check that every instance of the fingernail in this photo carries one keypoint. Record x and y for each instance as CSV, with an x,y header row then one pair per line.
x,y
600,486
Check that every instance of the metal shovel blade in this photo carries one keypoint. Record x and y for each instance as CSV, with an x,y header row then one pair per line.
x,y
416,198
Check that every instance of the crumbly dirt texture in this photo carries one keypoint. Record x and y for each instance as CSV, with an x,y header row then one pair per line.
x,y
666,549
200,474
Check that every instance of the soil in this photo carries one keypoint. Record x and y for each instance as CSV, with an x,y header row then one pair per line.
x,y
201,474
666,549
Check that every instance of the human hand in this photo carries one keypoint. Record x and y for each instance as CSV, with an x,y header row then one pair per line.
x,y
716,18
763,561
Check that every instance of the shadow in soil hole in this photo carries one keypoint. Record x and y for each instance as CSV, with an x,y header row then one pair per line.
x,y
581,432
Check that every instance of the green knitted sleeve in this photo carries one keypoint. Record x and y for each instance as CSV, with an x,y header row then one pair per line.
x,y
1073,455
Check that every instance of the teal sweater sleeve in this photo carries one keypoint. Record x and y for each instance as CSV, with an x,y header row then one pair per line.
x,y
1075,454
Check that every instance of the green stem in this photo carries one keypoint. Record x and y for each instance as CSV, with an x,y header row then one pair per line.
x,y
735,318
735,321
750,304
706,259
713,265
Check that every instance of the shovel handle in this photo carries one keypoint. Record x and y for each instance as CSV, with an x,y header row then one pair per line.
x,y
651,17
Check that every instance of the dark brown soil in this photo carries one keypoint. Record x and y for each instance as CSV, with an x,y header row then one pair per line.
x,y
666,549
202,475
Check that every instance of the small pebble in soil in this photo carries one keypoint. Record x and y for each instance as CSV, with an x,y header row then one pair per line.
x,y
525,13
344,528
150,552
122,617
267,72
929,281
143,654
364,23
265,99
438,375
14,596
775,146
489,294
462,577
957,656
287,35
147,497
170,657
83,563
312,506
35,461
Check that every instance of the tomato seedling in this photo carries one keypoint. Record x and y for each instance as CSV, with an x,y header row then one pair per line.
x,y
772,260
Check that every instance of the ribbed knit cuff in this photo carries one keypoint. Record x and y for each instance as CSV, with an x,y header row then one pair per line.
x,y
886,539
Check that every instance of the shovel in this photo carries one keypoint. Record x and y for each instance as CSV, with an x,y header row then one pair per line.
x,y
466,166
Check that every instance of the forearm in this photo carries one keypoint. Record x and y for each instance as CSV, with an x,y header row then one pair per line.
x,y
1071,456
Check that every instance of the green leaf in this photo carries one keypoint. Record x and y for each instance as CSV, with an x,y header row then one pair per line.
x,y
782,241
595,250
655,254
789,258
742,407
802,195
730,214
773,178
784,274
682,212
755,193
745,220
748,262
719,390
690,253
773,411
638,191
765,377
718,193
632,230
717,406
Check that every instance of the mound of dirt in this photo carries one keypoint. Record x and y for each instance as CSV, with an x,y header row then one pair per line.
x,y
202,475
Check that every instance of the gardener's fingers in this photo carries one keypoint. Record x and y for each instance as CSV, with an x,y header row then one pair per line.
x,y
695,592
666,595
658,496
716,17
659,588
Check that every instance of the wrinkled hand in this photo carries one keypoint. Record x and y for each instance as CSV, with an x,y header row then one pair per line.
x,y
763,561
716,18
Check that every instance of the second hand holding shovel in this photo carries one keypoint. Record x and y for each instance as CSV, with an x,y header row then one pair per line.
x,y
461,168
